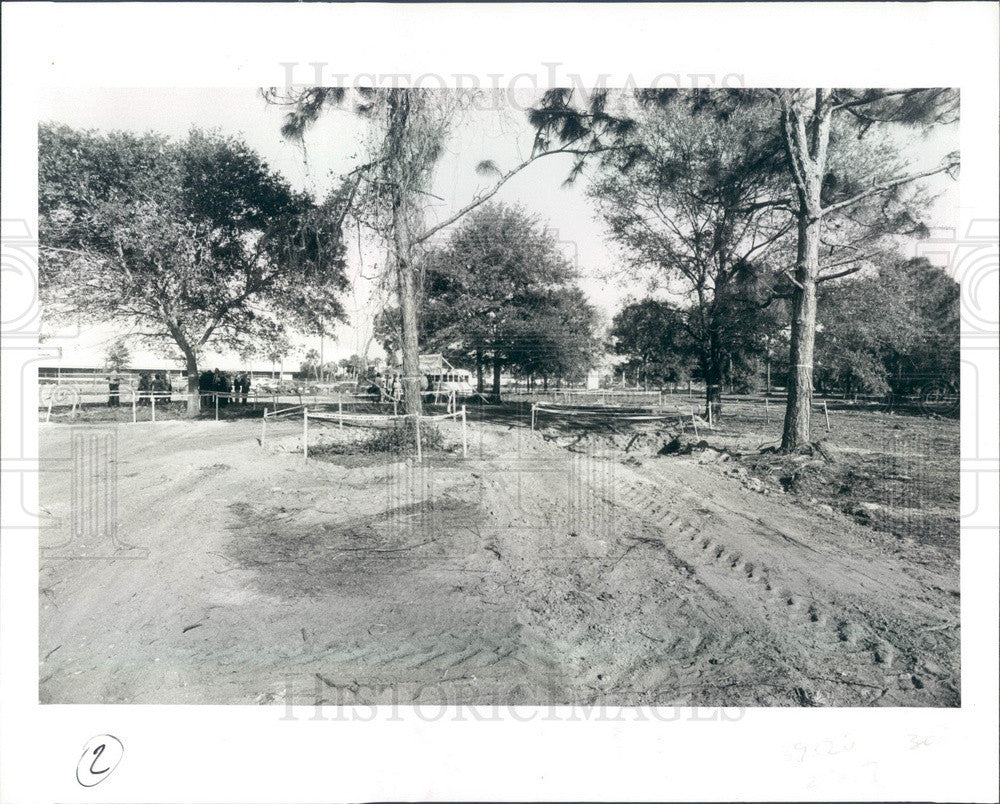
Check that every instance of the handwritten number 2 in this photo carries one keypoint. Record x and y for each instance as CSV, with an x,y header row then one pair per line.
x,y
105,750
97,753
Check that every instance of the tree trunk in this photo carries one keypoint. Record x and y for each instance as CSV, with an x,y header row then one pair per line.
x,y
411,346
496,375
798,411
193,391
806,122
713,371
479,370
399,110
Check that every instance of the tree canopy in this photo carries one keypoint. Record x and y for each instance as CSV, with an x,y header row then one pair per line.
x,y
851,196
499,292
893,330
689,197
652,335
194,241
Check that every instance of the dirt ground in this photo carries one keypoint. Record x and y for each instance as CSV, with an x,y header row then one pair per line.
x,y
186,563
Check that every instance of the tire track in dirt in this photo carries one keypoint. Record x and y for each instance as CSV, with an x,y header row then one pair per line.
x,y
823,625
603,608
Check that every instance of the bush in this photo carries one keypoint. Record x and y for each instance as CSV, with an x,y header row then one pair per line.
x,y
397,439
401,439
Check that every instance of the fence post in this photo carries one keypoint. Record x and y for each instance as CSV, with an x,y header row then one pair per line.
x,y
263,427
134,417
152,401
416,419
694,422
532,415
826,414
767,412
217,407
48,415
465,444
305,432
340,414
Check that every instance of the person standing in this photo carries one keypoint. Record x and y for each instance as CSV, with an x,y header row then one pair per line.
x,y
226,387
114,394
216,386
204,386
144,388
159,387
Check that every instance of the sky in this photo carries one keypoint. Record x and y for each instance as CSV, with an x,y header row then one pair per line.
x,y
335,144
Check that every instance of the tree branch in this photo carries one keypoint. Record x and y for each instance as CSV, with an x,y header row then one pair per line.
x,y
839,274
488,194
887,185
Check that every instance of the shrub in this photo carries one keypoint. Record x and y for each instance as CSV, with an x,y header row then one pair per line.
x,y
401,439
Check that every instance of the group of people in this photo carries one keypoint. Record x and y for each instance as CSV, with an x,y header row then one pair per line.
x,y
149,385
226,386
158,385
153,384
387,387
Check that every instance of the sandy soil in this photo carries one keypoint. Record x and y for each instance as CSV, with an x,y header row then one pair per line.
x,y
542,569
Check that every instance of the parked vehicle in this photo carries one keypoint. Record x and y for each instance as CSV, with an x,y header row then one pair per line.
x,y
451,379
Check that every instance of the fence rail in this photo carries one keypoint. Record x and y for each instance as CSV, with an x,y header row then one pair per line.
x,y
74,397
664,411
340,418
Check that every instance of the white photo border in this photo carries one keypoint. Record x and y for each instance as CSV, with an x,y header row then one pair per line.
x,y
242,753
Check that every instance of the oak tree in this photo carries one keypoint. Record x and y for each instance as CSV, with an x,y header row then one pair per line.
x,y
195,242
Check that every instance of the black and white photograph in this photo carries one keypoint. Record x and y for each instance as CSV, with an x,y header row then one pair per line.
x,y
410,392
635,397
